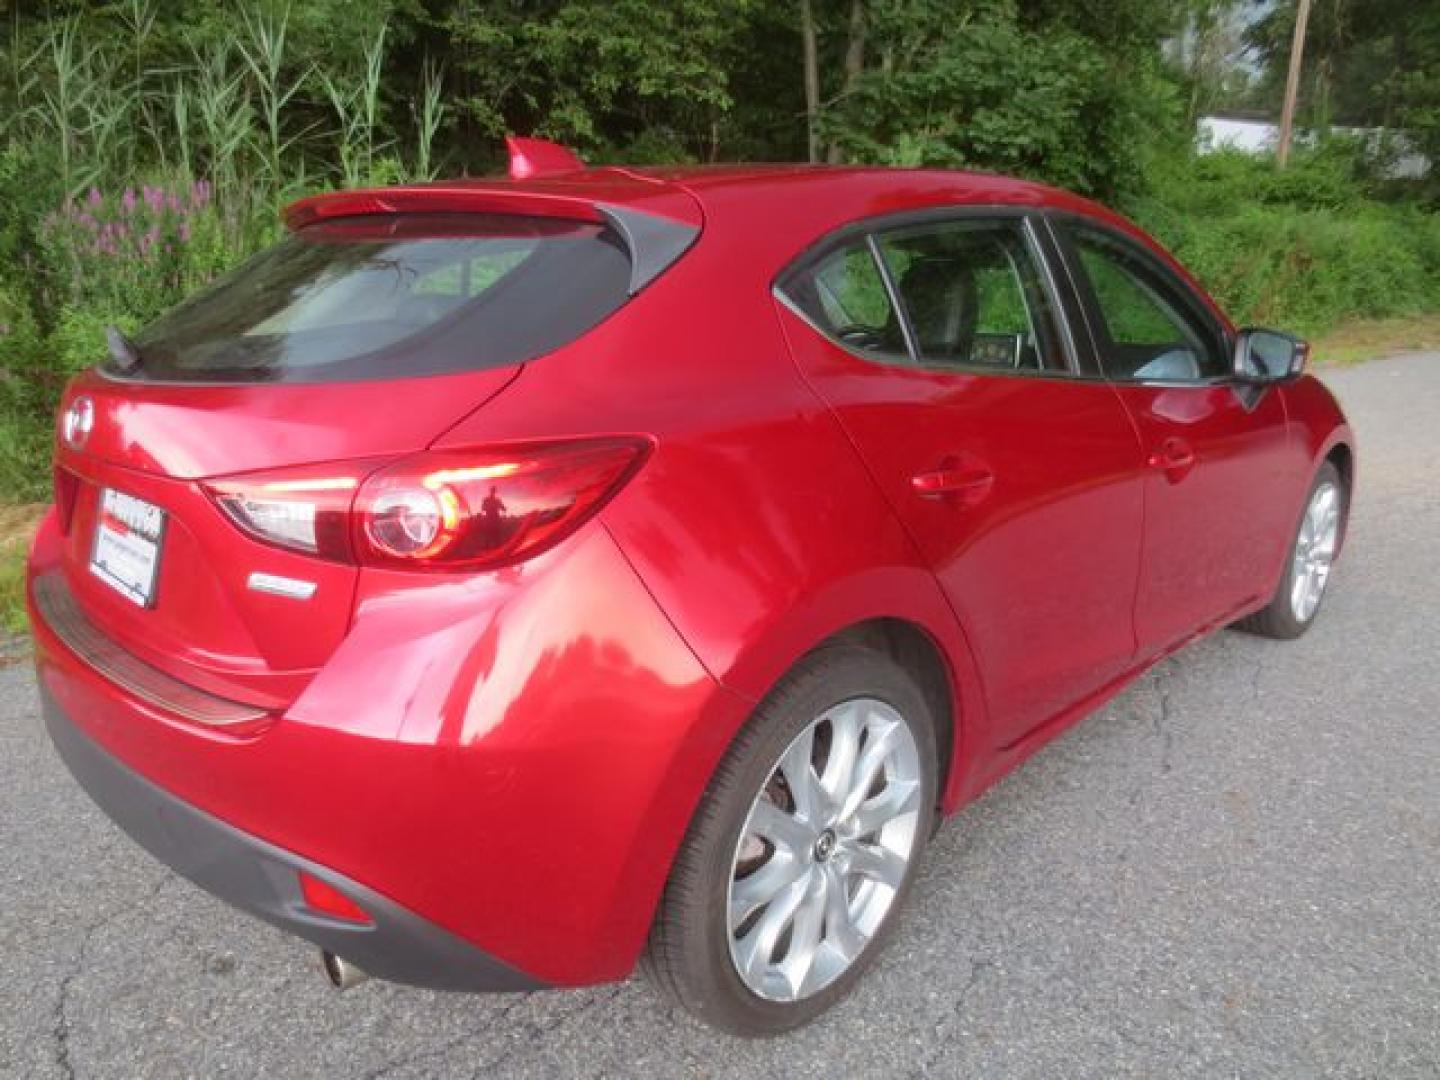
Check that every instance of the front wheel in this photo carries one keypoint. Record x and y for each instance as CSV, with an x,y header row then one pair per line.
x,y
803,849
1296,602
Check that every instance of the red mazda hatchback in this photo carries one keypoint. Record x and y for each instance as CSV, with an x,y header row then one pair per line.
x,y
496,581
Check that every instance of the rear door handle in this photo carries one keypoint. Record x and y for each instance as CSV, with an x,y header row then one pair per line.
x,y
965,484
1174,457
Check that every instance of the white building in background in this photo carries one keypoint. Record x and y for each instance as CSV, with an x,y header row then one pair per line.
x,y
1223,133
1259,136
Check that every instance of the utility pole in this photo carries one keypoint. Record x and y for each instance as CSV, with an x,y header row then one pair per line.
x,y
1292,84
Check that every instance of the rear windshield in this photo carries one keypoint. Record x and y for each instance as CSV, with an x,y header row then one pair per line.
x,y
392,296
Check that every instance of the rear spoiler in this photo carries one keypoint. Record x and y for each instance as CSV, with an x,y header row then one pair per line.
x,y
657,221
539,157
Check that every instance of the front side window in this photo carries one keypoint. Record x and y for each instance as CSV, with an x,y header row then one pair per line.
x,y
1149,330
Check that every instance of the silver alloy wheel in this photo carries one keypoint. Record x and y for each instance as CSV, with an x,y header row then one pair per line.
x,y
1315,551
824,850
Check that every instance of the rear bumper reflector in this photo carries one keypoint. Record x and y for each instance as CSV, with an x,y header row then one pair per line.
x,y
56,605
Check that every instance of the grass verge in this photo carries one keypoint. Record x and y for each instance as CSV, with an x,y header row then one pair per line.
x,y
17,525
1367,339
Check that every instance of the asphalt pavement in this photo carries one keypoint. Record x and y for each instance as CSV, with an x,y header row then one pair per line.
x,y
1232,870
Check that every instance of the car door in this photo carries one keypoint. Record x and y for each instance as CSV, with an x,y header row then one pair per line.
x,y
1215,448
939,346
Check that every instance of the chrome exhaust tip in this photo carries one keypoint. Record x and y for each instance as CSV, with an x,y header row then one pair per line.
x,y
341,973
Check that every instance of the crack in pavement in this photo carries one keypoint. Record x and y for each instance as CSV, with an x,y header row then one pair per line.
x,y
979,968
527,1033
60,1018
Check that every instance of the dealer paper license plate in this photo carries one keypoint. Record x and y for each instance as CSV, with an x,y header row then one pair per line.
x,y
126,555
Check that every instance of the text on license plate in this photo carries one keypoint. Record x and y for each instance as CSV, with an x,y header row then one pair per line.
x,y
126,555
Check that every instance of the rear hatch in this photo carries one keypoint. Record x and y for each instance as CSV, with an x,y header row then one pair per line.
x,y
361,338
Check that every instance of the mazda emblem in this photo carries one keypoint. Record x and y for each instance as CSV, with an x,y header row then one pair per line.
x,y
79,420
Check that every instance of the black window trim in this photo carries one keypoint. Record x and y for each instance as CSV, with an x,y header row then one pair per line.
x,y
892,291
1088,307
869,229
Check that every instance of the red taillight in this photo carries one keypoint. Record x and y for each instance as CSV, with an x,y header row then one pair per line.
x,y
442,509
325,898
459,509
305,509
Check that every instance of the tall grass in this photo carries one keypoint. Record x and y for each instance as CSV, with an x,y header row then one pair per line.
x,y
356,101
264,56
428,119
242,111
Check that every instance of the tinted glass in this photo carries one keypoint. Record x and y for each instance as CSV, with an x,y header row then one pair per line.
x,y
1149,329
394,296
844,295
973,292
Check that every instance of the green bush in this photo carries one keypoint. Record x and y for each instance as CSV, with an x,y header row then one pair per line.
x,y
27,392
118,258
1332,177
24,458
1302,248
12,590
1309,269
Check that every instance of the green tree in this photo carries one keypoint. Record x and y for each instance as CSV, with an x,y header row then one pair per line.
x,y
995,85
603,75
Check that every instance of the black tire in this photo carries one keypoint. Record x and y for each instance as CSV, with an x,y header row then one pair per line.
x,y
1278,618
688,956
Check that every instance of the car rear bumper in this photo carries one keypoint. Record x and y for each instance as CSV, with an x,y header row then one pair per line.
x,y
505,763
261,878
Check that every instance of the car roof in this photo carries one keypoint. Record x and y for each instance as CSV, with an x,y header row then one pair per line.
x,y
781,182
836,191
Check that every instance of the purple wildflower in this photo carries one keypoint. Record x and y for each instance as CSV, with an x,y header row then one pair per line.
x,y
95,197
127,201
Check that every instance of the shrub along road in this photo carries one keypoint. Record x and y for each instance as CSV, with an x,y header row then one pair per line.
x,y
1233,869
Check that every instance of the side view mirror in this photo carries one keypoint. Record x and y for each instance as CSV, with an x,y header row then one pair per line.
x,y
1269,355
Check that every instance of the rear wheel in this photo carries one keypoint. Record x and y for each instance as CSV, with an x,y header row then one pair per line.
x,y
803,849
1296,602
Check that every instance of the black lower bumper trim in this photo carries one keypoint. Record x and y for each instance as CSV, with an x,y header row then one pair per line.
x,y
259,877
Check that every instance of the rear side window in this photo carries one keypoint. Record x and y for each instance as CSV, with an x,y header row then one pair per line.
x,y
970,293
844,295
974,296
380,297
